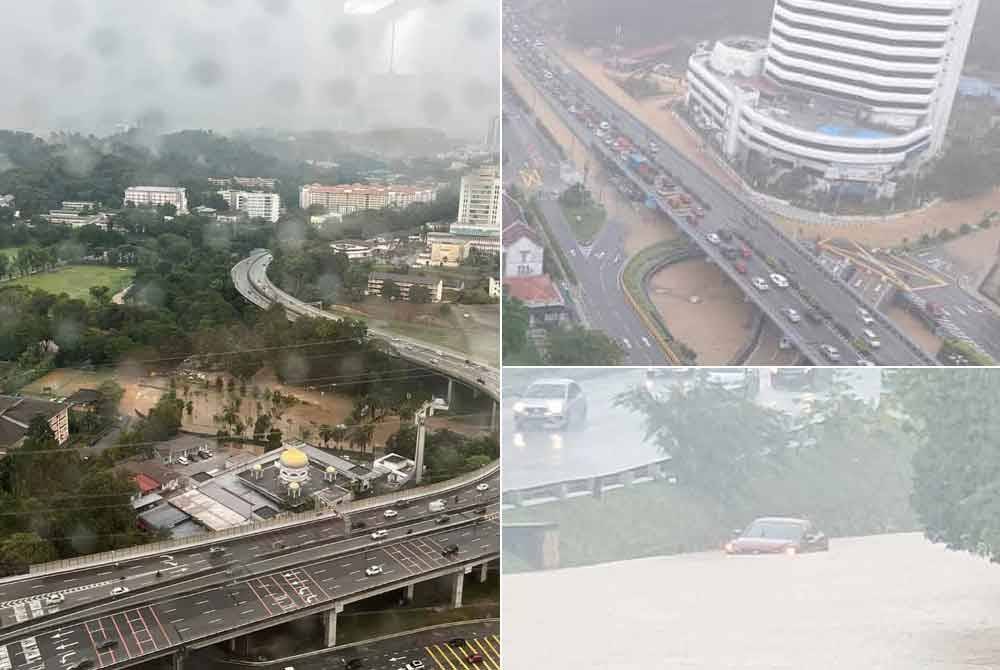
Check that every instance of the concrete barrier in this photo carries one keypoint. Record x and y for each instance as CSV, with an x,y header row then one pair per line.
x,y
594,486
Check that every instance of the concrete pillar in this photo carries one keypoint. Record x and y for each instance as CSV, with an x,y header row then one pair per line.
x,y
240,645
457,583
330,623
177,660
451,391
408,593
482,572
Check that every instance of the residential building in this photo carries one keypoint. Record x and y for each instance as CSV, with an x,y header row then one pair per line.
x,y
74,219
256,204
523,253
204,210
495,285
347,198
405,282
354,249
78,205
852,90
256,183
84,400
447,250
479,199
545,304
329,217
16,413
230,217
154,196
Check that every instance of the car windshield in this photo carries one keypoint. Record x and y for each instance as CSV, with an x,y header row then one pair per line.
x,y
545,391
775,530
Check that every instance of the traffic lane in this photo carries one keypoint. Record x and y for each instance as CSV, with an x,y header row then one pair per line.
x,y
976,319
613,438
219,609
890,601
395,652
141,574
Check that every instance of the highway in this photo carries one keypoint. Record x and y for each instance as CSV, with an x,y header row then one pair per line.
x,y
729,211
596,266
892,602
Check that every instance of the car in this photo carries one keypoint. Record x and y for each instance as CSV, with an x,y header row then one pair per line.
x,y
740,267
373,570
871,338
354,663
442,519
450,550
403,503
182,460
456,642
119,590
831,352
864,362
106,643
866,316
415,664
84,664
379,534
792,314
475,657
760,283
713,238
730,252
204,455
482,487
777,535
54,598
779,280
745,251
551,403
217,550
390,513
725,234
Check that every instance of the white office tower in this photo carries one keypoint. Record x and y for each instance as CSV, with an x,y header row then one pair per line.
x,y
852,89
479,201
256,204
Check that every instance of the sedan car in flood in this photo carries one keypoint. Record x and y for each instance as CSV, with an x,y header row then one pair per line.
x,y
778,535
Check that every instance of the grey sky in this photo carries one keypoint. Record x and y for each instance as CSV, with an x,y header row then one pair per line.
x,y
225,64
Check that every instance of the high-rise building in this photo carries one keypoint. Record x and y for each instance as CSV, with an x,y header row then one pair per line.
x,y
479,201
347,198
256,204
154,196
851,89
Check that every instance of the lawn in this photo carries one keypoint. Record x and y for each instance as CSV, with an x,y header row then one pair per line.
x,y
76,280
585,220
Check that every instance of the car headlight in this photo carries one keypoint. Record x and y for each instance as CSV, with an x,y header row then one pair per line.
x,y
555,406
518,407
791,550
729,547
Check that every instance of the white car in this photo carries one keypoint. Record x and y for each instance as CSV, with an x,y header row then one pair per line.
x,y
482,487
779,280
760,283
374,570
182,460
54,598
653,146
119,590
864,362
831,352
379,534
389,513
793,315
866,317
713,238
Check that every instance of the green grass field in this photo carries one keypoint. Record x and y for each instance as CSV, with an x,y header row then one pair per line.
x,y
76,280
9,252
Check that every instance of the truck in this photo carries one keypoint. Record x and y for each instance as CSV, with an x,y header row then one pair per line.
x,y
436,505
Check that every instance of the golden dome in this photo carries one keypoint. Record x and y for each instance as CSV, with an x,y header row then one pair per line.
x,y
294,458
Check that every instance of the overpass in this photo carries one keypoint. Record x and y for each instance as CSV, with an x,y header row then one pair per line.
x,y
815,287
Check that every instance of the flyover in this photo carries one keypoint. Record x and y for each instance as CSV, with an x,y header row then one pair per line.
x,y
840,324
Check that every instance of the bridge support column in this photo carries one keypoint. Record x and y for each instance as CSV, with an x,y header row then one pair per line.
x,y
408,593
177,661
330,623
458,582
240,646
483,572
451,391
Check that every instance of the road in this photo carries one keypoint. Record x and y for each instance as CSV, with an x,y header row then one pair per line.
x,y
890,602
726,210
596,266
251,280
613,438
429,647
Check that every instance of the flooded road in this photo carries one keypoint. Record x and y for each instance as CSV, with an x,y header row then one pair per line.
x,y
613,439
889,602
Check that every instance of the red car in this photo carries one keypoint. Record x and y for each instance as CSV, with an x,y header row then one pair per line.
x,y
741,267
745,251
475,658
778,535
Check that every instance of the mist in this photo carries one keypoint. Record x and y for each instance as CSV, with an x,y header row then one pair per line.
x,y
95,65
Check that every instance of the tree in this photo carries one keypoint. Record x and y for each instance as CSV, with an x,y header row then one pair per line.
x,y
274,438
517,349
326,434
110,395
20,550
390,289
100,294
576,345
361,435
339,434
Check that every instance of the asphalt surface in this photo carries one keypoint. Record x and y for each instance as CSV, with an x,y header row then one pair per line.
x,y
613,438
727,210
253,591
596,266
430,648
887,602
251,280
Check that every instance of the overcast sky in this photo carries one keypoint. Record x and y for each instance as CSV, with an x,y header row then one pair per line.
x,y
88,65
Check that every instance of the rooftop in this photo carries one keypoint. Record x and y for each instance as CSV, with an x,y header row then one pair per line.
x,y
536,291
16,412
516,231
405,279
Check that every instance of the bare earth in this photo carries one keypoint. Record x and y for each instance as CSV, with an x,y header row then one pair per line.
x,y
716,326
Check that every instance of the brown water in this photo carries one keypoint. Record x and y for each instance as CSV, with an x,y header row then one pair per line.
x,y
890,602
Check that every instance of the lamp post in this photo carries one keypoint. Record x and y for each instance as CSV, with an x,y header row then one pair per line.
x,y
420,419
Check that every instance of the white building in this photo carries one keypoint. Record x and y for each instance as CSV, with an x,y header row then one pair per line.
x,y
495,287
154,196
354,249
479,201
347,198
849,89
523,253
256,204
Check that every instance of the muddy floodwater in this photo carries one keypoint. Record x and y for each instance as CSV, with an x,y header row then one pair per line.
x,y
889,602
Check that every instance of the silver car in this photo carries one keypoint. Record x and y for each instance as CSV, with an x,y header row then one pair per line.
x,y
551,403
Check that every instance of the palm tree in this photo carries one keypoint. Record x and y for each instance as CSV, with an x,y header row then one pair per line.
x,y
339,434
326,434
362,434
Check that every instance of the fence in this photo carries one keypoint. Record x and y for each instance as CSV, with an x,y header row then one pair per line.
x,y
594,485
280,521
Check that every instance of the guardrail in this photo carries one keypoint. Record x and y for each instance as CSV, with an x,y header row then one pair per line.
x,y
255,527
595,485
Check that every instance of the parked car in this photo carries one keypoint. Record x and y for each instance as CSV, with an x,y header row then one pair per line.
x,y
778,535
107,643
